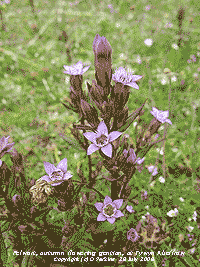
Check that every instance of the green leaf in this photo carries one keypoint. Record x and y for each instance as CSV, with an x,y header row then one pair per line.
x,y
131,118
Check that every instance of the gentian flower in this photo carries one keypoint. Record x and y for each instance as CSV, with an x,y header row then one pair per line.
x,y
101,139
153,169
130,209
77,69
109,210
58,174
132,235
5,147
161,115
121,76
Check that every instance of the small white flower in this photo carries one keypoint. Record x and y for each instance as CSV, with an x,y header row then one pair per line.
x,y
138,60
161,179
175,46
173,79
181,199
153,169
135,123
189,219
148,42
152,184
172,213
194,216
190,228
164,80
147,207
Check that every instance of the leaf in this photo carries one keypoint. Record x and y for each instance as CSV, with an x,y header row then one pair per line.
x,y
3,250
131,118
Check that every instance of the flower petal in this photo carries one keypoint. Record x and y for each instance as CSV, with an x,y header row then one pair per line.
x,y
111,220
99,206
67,176
92,148
134,85
114,135
102,128
107,200
90,136
107,150
63,165
167,120
165,114
118,214
49,168
101,217
85,69
118,203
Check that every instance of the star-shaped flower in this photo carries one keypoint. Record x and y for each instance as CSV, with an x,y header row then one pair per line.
x,y
58,174
161,115
109,210
101,140
121,76
76,69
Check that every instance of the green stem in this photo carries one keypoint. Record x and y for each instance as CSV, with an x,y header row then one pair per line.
x,y
125,223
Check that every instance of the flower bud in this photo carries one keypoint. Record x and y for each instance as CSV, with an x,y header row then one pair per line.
x,y
102,59
132,156
119,95
90,114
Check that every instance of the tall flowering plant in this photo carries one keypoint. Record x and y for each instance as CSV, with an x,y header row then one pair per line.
x,y
103,119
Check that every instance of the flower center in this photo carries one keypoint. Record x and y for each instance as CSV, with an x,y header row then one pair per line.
x,y
109,210
102,140
57,175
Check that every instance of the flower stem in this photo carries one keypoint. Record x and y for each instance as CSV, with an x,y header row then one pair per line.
x,y
125,223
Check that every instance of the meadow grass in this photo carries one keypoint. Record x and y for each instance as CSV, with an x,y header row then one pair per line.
x,y
33,50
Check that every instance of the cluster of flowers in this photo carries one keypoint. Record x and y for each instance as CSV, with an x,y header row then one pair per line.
x,y
121,159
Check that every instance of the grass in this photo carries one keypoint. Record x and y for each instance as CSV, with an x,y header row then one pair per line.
x,y
32,84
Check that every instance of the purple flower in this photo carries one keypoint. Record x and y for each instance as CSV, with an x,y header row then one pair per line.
x,y
153,169
121,76
139,160
58,174
5,2
77,69
161,115
109,210
132,235
5,147
130,209
101,139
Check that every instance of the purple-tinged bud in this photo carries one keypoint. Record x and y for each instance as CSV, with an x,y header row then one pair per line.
x,y
132,156
102,59
90,113
119,95
97,93
132,235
